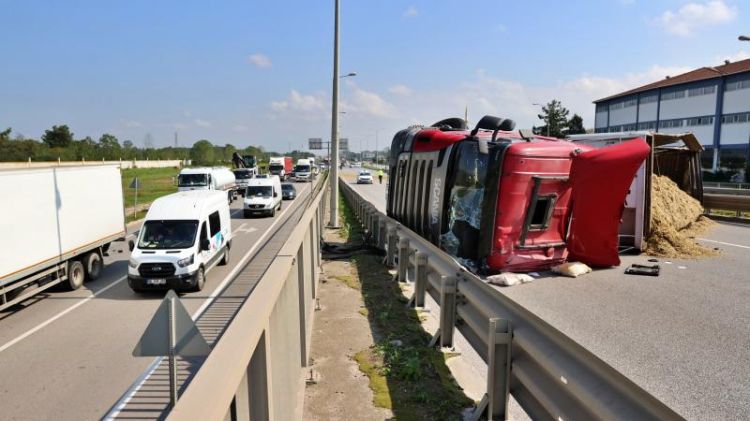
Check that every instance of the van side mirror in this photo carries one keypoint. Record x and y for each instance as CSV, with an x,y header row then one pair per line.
x,y
275,194
205,244
131,245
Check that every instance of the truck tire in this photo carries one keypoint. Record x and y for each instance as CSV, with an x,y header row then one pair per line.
x,y
93,264
200,280
225,258
76,274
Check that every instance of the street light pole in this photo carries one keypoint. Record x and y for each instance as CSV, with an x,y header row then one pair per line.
x,y
334,169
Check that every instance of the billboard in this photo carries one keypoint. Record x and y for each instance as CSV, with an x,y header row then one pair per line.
x,y
315,143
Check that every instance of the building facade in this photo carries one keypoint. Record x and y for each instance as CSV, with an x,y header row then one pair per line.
x,y
711,102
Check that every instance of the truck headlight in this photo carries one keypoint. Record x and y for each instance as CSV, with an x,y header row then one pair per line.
x,y
186,261
133,263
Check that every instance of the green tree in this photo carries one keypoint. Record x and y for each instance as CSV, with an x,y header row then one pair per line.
x,y
227,152
58,137
5,135
202,153
109,147
575,125
555,118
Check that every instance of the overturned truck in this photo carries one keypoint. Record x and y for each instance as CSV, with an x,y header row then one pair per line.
x,y
502,200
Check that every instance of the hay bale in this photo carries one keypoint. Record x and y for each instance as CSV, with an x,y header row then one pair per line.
x,y
676,218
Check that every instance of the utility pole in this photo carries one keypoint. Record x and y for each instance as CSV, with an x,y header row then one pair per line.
x,y
334,206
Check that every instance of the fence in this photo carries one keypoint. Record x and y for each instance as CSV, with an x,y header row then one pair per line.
x,y
550,375
255,371
123,164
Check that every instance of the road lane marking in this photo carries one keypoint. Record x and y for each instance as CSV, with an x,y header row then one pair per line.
x,y
136,386
58,315
726,244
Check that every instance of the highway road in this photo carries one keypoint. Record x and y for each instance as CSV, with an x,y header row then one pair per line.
x,y
67,355
683,336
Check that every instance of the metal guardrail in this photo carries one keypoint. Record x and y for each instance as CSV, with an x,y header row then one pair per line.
x,y
549,374
255,371
727,199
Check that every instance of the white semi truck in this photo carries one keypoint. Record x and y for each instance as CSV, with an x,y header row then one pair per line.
x,y
57,224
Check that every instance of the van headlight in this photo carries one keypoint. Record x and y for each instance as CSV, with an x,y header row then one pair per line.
x,y
186,261
133,263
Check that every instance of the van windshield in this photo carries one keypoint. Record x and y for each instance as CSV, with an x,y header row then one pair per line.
x,y
302,168
259,191
192,180
168,234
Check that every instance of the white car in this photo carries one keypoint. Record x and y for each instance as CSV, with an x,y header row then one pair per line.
x,y
364,177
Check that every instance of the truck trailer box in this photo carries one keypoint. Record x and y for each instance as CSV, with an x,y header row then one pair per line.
x,y
54,214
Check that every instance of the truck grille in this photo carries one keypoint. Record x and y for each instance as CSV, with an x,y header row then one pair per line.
x,y
255,206
156,270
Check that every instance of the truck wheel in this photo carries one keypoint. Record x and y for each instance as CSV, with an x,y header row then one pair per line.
x,y
93,264
200,280
225,259
76,274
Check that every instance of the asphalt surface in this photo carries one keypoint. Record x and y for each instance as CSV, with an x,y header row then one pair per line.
x,y
683,336
67,355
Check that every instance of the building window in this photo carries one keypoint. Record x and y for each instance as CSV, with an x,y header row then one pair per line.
x,y
631,103
667,124
736,118
706,90
648,125
615,106
700,121
739,84
672,95
629,127
649,98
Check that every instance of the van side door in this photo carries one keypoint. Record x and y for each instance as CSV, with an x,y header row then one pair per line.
x,y
215,234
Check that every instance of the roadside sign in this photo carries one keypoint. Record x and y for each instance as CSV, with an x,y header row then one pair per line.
x,y
315,143
135,184
170,333
344,144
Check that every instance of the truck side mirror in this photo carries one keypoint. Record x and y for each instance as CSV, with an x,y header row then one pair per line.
x,y
205,244
131,245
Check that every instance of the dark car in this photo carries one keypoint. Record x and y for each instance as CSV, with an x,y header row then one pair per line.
x,y
288,192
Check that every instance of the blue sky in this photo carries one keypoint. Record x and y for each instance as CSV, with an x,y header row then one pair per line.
x,y
260,72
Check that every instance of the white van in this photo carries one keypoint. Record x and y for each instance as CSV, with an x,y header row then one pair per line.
x,y
184,235
263,196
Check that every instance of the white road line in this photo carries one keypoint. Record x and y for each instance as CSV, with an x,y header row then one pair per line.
x,y
123,402
726,244
58,315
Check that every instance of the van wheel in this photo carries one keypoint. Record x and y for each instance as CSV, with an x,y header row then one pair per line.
x,y
273,212
76,274
93,264
279,205
225,259
200,280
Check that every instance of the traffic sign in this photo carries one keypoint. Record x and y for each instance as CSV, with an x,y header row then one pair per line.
x,y
344,144
135,184
315,143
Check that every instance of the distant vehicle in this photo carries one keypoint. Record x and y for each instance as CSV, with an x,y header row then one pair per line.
x,y
245,161
364,177
184,235
262,197
288,192
303,170
262,176
242,176
57,224
281,166
208,178
497,199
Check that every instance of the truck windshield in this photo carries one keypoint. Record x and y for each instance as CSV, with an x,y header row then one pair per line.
x,y
249,161
275,167
192,180
168,234
302,168
242,175
259,191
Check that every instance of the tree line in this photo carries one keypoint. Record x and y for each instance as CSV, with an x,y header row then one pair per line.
x,y
556,122
59,142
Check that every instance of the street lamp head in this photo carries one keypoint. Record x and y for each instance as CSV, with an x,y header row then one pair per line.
x,y
743,38
350,74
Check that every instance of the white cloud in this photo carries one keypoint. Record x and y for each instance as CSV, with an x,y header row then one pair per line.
x,y
308,107
368,103
239,128
400,90
260,61
132,124
690,17
738,56
202,123
410,12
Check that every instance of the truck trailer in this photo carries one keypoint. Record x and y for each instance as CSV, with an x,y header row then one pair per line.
x,y
57,225
281,166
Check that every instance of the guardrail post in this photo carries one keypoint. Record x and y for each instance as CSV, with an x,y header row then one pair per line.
x,y
392,241
447,310
382,232
498,368
403,258
420,273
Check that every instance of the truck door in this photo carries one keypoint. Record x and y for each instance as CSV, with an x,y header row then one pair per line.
x,y
600,180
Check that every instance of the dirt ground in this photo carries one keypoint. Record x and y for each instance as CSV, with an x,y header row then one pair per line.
x,y
340,330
